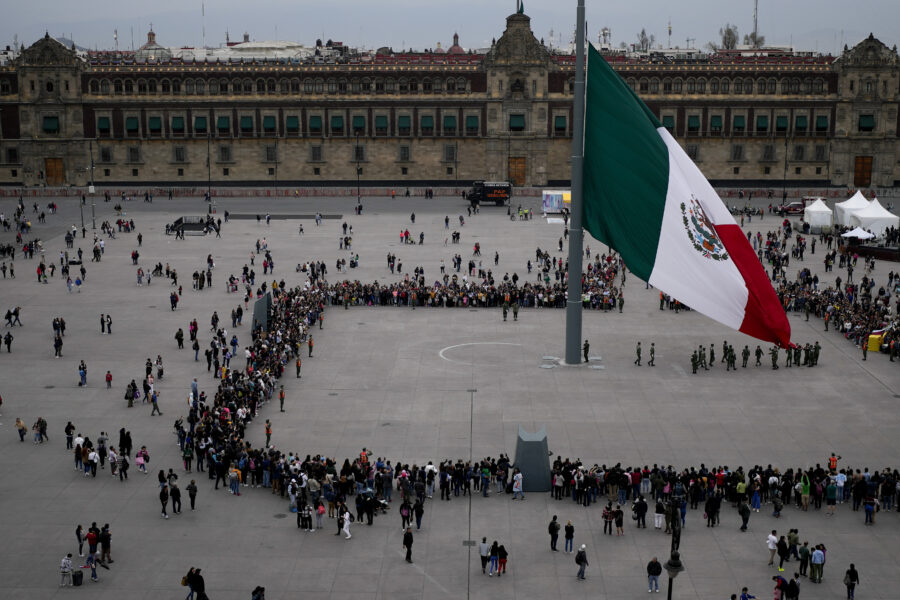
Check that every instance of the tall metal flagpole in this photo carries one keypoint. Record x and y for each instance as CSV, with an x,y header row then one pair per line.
x,y
573,304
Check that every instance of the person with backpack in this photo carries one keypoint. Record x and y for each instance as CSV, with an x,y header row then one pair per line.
x,y
851,580
780,586
582,561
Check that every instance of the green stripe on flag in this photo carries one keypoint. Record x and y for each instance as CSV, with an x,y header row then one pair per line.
x,y
626,168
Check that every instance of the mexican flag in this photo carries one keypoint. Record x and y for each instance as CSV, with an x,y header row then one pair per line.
x,y
647,200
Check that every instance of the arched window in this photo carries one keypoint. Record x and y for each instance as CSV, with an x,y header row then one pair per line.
x,y
94,86
724,85
129,86
307,86
676,86
819,86
151,86
354,86
738,86
761,86
104,86
571,86
807,86
654,85
213,86
462,85
404,85
390,86
771,84
379,85
117,86
189,87
260,86
785,86
426,86
451,85
176,86
331,86
342,86
667,86
201,87
295,86
632,83
701,86
366,85
165,87
691,86
713,86
795,86
248,86
270,86
223,87
320,86
284,86
644,85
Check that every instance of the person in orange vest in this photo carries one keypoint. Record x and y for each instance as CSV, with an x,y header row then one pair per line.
x,y
309,344
268,432
832,462
321,319
299,363
281,398
364,457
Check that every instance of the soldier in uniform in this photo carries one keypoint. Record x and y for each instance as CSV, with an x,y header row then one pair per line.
x,y
788,358
797,351
712,355
695,362
774,353
702,357
637,351
759,354
621,301
745,355
505,310
515,307
815,356
806,355
724,351
585,349
652,354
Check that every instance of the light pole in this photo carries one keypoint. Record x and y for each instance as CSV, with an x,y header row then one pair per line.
x,y
276,163
673,567
208,165
356,156
91,190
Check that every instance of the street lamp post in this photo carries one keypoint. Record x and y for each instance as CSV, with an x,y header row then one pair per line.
x,y
208,165
356,156
673,567
91,190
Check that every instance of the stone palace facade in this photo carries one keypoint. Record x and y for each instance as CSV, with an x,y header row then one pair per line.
x,y
436,118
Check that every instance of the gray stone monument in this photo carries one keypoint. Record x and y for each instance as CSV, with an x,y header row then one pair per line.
x,y
533,459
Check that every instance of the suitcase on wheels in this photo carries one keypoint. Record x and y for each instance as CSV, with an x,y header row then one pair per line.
x,y
77,577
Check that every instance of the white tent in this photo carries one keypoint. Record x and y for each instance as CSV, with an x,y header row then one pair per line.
x,y
818,215
858,233
875,218
842,210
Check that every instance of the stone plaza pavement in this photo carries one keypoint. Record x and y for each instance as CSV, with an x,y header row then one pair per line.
x,y
396,381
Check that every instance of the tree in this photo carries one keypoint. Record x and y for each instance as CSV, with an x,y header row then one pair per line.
x,y
755,40
644,41
729,36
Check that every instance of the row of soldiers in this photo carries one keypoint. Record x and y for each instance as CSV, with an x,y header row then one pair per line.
x,y
809,354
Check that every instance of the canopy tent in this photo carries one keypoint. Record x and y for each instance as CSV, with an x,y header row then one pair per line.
x,y
818,215
843,209
875,218
858,233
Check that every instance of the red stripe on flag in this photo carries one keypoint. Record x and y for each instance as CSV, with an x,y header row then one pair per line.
x,y
764,317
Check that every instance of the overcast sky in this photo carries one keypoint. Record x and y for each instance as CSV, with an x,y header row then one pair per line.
x,y
809,24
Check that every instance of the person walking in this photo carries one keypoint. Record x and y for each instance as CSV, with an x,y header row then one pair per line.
x,y
783,553
570,536
817,560
502,556
164,499
582,561
408,544
484,550
851,580
192,492
517,485
772,545
654,569
175,494
495,559
553,530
